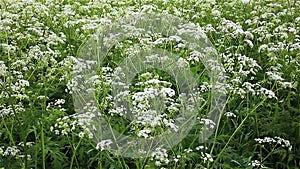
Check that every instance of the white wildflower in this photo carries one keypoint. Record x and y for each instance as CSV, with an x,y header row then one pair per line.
x,y
104,144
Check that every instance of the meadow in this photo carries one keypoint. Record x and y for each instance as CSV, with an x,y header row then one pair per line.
x,y
53,93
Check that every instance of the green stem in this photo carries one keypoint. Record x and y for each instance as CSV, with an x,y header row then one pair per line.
x,y
270,153
100,161
43,146
217,129
36,148
9,133
74,153
237,129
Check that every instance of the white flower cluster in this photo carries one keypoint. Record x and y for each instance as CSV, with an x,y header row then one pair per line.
x,y
39,44
143,103
206,157
10,151
104,144
64,126
144,133
208,122
8,110
229,114
276,140
3,70
275,75
80,121
160,156
148,101
15,151
256,164
58,103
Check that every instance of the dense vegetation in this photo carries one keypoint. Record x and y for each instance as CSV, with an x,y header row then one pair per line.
x,y
258,44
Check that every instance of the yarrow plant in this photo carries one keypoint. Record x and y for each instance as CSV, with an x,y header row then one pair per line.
x,y
258,45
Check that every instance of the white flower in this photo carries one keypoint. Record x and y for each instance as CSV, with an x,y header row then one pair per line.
x,y
245,1
160,156
59,102
206,157
280,141
275,76
157,163
104,144
182,63
249,43
255,163
208,122
81,134
201,147
188,150
229,114
144,133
